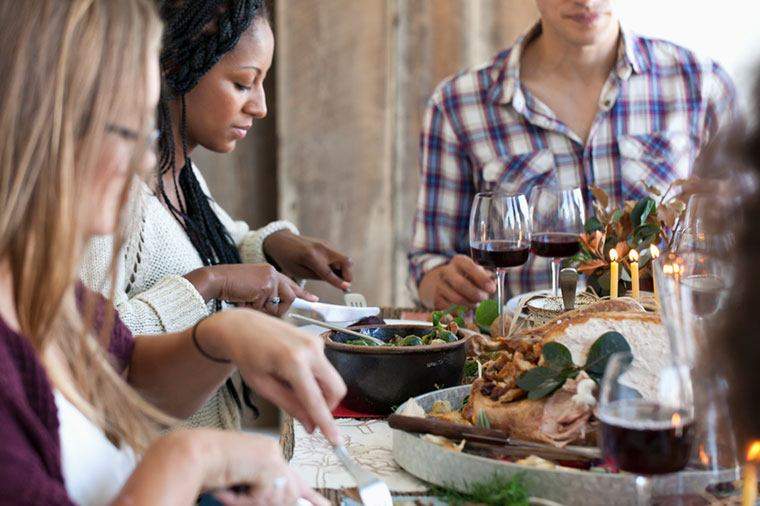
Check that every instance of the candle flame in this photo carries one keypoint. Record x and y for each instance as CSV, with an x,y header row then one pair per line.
x,y
633,256
654,251
704,458
613,255
753,451
675,420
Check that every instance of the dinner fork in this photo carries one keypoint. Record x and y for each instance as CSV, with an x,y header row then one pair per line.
x,y
354,300
372,490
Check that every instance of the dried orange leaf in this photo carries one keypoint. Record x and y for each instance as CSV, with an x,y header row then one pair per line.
x,y
590,266
600,196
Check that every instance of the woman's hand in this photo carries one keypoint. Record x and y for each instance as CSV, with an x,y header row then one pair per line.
x,y
281,363
184,463
305,258
255,285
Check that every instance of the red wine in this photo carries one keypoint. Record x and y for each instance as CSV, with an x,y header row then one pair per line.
x,y
500,254
706,293
644,437
555,244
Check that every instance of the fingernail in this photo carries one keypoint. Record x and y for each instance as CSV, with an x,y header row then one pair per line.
x,y
491,287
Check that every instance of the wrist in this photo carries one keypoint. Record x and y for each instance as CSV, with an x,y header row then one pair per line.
x,y
269,248
213,334
187,453
205,281
429,285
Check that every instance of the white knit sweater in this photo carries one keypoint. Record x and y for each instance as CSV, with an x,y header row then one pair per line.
x,y
151,294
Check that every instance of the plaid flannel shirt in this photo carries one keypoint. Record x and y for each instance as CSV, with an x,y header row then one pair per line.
x,y
659,106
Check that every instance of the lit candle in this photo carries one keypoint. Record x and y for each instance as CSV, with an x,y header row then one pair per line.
x,y
655,253
749,491
613,274
633,258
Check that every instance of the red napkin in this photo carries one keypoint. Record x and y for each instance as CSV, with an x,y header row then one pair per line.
x,y
343,412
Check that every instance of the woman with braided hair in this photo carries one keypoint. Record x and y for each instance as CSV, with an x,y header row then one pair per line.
x,y
184,256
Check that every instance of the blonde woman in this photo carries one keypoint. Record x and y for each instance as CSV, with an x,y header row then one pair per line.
x,y
80,83
183,256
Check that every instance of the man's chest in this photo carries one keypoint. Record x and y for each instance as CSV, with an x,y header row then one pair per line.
x,y
573,104
632,140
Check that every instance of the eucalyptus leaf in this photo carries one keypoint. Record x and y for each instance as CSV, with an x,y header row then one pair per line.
x,y
545,381
546,389
542,381
603,348
557,356
593,224
616,216
646,232
486,312
534,378
642,210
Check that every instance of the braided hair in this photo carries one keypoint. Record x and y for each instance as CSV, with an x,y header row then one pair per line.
x,y
198,33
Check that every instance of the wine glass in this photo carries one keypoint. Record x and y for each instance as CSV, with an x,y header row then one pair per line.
x,y
500,236
646,431
558,217
694,289
703,225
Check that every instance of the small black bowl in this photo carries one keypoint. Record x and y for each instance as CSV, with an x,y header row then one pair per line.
x,y
380,378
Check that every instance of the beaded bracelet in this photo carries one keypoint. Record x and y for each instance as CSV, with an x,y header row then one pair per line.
x,y
201,350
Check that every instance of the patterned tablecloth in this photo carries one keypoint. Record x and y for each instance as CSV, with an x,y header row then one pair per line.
x,y
369,442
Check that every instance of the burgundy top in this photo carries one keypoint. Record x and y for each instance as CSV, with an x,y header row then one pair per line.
x,y
30,451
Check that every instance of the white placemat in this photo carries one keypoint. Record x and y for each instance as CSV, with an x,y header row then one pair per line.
x,y
370,443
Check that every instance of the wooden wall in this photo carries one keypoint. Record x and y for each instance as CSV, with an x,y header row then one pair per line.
x,y
351,81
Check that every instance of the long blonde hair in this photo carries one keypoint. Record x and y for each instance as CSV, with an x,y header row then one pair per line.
x,y
66,66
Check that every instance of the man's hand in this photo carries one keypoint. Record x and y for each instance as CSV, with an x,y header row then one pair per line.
x,y
460,282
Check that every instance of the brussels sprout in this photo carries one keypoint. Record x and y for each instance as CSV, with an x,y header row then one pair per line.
x,y
437,341
412,341
396,340
429,337
362,342
447,336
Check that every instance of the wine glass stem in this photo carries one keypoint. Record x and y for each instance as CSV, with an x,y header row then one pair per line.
x,y
556,264
501,275
643,491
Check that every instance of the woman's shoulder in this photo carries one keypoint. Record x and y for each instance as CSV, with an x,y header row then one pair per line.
x,y
24,384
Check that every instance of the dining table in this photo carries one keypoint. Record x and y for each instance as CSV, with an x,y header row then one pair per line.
x,y
368,440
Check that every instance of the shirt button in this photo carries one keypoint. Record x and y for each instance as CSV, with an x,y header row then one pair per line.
x,y
608,103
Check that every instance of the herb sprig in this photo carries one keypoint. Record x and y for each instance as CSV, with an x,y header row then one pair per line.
x,y
497,491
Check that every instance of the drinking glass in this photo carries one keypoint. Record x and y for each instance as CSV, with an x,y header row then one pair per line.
x,y
694,288
558,218
645,433
703,227
500,236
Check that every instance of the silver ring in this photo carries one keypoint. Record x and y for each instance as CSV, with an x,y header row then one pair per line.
x,y
275,301
280,482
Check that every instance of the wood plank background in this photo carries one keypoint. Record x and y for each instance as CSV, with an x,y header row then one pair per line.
x,y
351,81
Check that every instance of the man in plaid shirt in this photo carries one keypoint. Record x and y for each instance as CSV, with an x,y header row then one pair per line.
x,y
578,100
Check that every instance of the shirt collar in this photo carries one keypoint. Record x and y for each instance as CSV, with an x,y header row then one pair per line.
x,y
631,59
